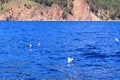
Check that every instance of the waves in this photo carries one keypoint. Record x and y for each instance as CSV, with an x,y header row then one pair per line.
x,y
92,45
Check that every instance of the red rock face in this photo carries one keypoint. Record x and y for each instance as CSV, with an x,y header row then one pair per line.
x,y
53,13
21,12
80,11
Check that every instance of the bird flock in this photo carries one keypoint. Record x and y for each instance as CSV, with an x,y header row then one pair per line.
x,y
30,45
69,59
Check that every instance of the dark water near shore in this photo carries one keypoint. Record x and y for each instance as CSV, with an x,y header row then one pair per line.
x,y
92,45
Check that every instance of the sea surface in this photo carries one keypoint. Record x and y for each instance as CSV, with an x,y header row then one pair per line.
x,y
92,45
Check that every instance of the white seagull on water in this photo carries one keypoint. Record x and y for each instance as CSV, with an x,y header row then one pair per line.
x,y
116,39
30,46
70,59
39,44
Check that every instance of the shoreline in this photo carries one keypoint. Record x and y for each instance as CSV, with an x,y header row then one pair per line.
x,y
63,20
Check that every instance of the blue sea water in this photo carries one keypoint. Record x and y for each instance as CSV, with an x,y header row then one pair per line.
x,y
92,45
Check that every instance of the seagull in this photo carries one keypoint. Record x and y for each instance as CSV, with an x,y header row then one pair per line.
x,y
116,39
39,44
70,59
30,46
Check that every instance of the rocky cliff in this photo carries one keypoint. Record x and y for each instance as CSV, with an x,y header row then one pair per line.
x,y
26,11
80,11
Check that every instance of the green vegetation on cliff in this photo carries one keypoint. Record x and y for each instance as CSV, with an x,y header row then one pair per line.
x,y
66,5
105,9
